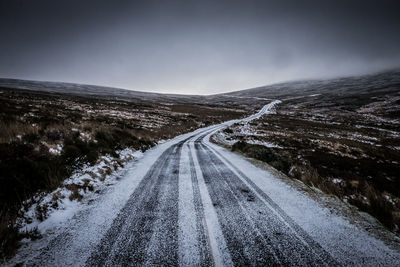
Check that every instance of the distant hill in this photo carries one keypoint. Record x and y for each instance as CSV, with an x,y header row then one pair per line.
x,y
88,90
373,83
389,80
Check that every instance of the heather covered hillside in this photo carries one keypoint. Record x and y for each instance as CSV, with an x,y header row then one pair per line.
x,y
341,136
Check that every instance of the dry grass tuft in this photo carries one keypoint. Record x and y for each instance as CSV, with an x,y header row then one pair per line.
x,y
10,131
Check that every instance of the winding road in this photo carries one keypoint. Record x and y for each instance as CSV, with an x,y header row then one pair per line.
x,y
198,204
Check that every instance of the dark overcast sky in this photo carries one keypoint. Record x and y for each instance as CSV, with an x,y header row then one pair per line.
x,y
196,46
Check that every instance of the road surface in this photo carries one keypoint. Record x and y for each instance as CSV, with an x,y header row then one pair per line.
x,y
192,203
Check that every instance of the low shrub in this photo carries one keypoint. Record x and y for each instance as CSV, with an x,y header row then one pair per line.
x,y
266,154
32,138
228,130
9,235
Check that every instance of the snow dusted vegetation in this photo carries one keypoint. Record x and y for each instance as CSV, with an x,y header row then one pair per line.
x,y
46,211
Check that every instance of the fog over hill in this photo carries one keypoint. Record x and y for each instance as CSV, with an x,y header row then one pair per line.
x,y
345,85
87,90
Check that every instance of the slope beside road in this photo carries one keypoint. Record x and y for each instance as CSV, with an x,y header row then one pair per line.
x,y
190,202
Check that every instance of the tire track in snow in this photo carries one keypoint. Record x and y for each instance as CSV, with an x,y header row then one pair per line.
x,y
200,215
128,239
219,252
193,241
163,246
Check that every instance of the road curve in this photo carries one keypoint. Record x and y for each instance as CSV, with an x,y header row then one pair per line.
x,y
200,205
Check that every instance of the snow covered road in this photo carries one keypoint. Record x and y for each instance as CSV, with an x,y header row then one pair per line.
x,y
190,202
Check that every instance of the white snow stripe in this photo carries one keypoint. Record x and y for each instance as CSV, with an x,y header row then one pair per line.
x,y
189,254
219,250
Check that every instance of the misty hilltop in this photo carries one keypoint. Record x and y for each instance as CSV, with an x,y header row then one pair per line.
x,y
378,82
373,83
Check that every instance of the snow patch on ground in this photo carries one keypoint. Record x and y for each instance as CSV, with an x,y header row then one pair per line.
x,y
56,150
337,180
262,143
243,131
223,138
49,210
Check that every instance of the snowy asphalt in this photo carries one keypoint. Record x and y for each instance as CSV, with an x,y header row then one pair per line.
x,y
147,229
198,205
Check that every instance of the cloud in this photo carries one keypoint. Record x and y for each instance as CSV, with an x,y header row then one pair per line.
x,y
196,46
